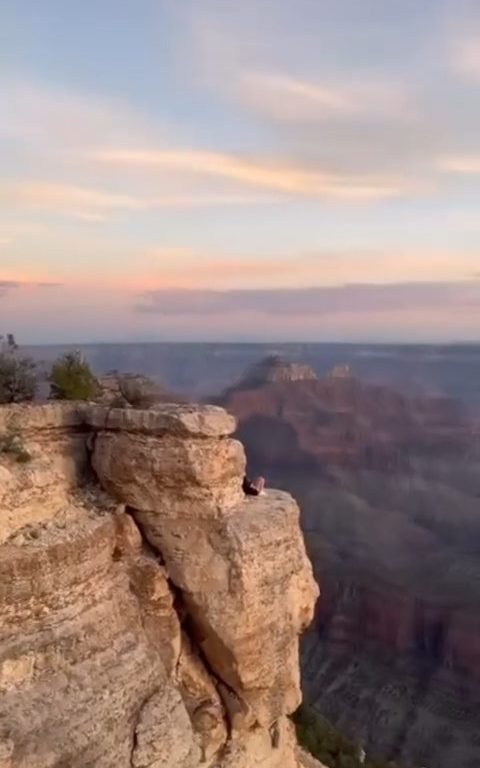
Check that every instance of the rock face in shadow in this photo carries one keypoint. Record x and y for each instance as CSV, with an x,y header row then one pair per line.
x,y
389,491
149,614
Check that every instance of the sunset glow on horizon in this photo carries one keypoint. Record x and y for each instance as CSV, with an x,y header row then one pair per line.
x,y
271,169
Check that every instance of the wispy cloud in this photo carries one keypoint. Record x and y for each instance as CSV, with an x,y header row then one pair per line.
x,y
84,137
461,164
284,97
60,197
276,175
465,56
187,268
350,299
56,118
94,205
59,128
6,286
370,95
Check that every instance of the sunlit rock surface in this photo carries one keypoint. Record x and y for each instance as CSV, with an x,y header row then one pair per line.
x,y
149,614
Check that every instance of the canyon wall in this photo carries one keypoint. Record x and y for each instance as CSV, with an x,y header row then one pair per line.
x,y
389,489
149,613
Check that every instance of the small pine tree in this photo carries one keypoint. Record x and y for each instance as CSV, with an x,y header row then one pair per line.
x,y
18,381
72,379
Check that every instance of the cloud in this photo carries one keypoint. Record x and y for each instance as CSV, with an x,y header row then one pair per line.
x,y
350,313
88,137
56,128
59,197
275,175
93,205
187,268
6,286
58,118
316,302
465,56
283,97
361,89
460,164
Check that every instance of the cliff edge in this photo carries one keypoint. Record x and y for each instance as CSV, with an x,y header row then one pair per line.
x,y
149,612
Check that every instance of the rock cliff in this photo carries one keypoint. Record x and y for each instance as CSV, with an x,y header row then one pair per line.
x,y
149,613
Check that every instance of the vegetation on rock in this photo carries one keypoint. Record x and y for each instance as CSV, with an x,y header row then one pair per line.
x,y
12,445
327,744
71,378
17,374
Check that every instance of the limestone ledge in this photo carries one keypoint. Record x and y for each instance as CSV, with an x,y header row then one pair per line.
x,y
149,613
175,419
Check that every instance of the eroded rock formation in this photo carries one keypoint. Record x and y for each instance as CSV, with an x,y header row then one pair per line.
x,y
275,369
149,614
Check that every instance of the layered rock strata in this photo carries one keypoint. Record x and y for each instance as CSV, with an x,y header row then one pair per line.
x,y
149,614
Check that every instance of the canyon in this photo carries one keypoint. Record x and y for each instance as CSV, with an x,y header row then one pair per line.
x,y
150,614
200,370
389,487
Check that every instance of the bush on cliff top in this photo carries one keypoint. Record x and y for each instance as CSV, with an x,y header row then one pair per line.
x,y
326,743
72,379
18,381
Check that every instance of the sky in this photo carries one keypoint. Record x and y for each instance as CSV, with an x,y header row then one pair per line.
x,y
256,170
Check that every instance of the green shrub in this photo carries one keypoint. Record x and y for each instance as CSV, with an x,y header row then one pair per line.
x,y
72,379
18,380
319,737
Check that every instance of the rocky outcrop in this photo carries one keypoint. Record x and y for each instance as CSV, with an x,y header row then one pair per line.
x,y
149,613
125,390
275,369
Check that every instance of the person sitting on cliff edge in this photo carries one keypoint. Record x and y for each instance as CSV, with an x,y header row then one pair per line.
x,y
253,487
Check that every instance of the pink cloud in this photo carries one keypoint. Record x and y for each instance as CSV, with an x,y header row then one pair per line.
x,y
282,97
319,301
462,164
465,56
352,312
187,268
275,175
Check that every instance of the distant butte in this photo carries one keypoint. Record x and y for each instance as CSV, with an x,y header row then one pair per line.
x,y
343,371
275,369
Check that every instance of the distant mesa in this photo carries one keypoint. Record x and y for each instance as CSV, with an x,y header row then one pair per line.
x,y
275,369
